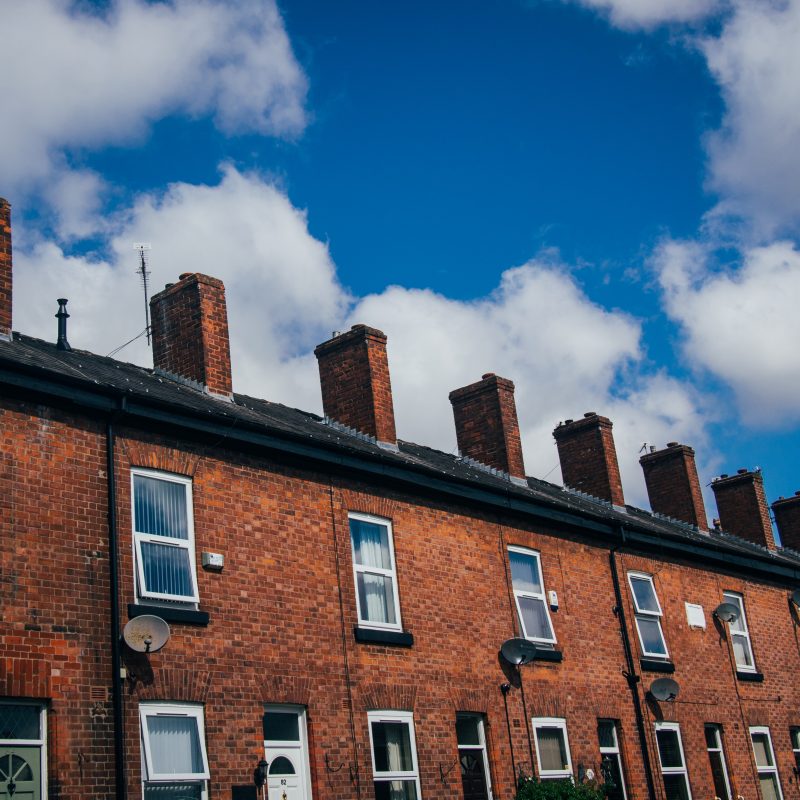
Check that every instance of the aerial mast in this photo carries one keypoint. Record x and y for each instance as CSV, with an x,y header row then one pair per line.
x,y
143,249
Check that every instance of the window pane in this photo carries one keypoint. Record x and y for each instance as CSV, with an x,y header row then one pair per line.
x,y
612,777
524,572
669,748
395,790
769,787
392,743
644,594
795,738
676,787
534,618
718,771
175,745
652,638
173,791
167,569
761,750
467,730
376,598
370,544
19,721
160,507
741,651
711,736
606,733
552,749
280,727
733,599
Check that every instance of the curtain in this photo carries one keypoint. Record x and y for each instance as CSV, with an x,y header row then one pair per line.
x,y
167,569
552,751
524,573
376,596
535,618
370,544
175,745
160,507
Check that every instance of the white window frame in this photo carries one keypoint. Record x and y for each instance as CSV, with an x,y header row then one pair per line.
x,y
481,746
648,615
551,722
770,770
614,750
717,729
387,573
172,710
794,735
682,770
41,742
524,551
404,718
292,745
738,600
188,544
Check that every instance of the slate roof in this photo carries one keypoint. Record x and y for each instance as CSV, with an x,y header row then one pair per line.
x,y
79,368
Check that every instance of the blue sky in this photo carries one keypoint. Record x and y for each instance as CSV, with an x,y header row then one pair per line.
x,y
596,199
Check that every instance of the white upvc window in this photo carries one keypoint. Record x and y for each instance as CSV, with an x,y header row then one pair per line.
x,y
765,764
716,756
740,635
375,573
648,615
174,757
471,738
395,772
672,761
552,747
163,536
795,734
611,760
529,595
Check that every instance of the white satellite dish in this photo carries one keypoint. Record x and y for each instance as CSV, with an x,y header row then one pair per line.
x,y
727,612
146,634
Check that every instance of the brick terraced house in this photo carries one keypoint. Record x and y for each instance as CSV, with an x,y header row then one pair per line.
x,y
338,598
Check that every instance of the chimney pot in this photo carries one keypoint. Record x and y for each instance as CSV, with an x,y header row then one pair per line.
x,y
589,458
672,444
62,316
355,382
6,269
486,422
567,422
190,332
741,471
742,507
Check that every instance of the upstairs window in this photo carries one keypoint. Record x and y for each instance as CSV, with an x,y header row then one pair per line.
x,y
529,595
163,537
765,764
175,765
552,747
394,755
740,636
375,574
648,615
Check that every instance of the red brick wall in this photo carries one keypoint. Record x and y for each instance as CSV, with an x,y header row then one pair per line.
x,y
355,382
486,424
588,457
787,518
673,486
190,332
742,507
5,267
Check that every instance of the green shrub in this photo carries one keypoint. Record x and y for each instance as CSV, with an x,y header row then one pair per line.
x,y
534,789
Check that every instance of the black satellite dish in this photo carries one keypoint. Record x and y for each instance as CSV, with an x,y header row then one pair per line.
x,y
727,612
518,651
664,689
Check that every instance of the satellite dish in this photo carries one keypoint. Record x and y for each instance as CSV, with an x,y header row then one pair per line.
x,y
518,651
727,612
796,597
664,689
146,634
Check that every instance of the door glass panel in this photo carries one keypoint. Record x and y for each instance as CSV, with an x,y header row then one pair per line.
x,y
281,766
612,776
19,721
280,727
718,771
467,730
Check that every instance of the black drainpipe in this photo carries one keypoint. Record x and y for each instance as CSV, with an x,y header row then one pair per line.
x,y
631,676
116,659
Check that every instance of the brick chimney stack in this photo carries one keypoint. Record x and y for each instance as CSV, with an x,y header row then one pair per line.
x,y
743,508
787,518
486,424
356,387
672,484
5,269
190,333
588,457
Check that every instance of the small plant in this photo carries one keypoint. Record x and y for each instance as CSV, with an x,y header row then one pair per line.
x,y
565,789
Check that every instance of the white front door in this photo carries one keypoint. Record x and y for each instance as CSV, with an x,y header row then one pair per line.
x,y
286,753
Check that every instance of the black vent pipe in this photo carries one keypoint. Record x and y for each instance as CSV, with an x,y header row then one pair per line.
x,y
62,317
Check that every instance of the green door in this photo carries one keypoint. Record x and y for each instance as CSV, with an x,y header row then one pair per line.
x,y
20,773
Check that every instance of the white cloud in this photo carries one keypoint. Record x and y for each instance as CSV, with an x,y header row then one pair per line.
x,y
651,13
566,354
741,324
75,80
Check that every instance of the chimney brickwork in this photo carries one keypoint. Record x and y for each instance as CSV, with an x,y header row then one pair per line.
x,y
742,507
786,511
190,332
673,485
589,458
355,382
5,268
486,424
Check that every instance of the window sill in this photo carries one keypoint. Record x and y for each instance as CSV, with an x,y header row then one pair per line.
x,y
543,654
654,665
373,636
753,677
186,616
